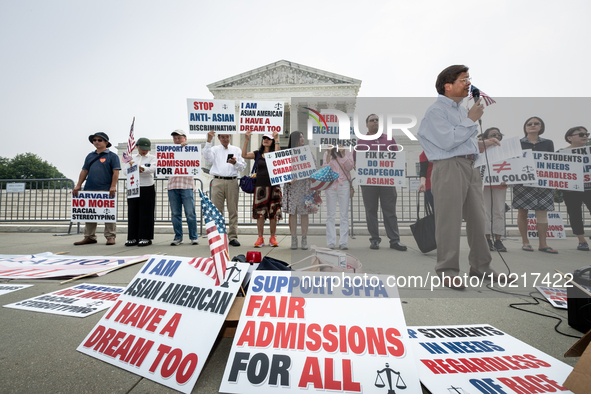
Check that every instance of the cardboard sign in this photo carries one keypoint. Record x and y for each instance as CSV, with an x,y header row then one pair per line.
x,y
94,207
207,115
164,324
5,289
77,301
47,265
177,160
304,332
555,296
381,168
559,171
555,226
261,117
133,181
479,358
323,136
14,187
517,170
585,152
290,164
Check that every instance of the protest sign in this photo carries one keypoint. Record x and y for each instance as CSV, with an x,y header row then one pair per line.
x,y
290,164
303,332
517,170
511,147
555,226
164,324
559,171
177,160
555,296
133,181
585,152
47,265
207,115
5,289
381,168
77,301
325,131
93,207
261,117
482,359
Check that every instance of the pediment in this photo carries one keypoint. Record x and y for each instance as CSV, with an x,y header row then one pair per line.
x,y
283,73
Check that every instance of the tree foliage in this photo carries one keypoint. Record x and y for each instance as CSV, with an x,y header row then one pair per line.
x,y
27,166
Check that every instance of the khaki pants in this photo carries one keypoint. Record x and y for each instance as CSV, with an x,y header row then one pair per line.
x,y
227,190
90,230
457,191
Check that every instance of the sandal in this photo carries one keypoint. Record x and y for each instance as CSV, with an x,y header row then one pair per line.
x,y
144,242
583,246
131,242
548,249
527,248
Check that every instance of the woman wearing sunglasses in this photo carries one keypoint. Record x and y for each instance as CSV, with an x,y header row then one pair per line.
x,y
539,199
577,137
494,203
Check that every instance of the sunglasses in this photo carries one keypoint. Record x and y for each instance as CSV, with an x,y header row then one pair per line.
x,y
582,135
97,140
496,135
533,124
267,138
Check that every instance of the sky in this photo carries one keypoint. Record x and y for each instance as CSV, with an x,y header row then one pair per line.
x,y
71,68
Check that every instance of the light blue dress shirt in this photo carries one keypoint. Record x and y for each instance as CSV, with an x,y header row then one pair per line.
x,y
446,131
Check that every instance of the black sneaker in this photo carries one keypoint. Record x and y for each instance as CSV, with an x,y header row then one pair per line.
x,y
499,246
374,245
490,245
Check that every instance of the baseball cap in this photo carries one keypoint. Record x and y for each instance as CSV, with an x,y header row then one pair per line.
x,y
178,132
144,144
268,135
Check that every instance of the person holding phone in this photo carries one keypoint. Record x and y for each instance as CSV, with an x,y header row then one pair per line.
x,y
227,162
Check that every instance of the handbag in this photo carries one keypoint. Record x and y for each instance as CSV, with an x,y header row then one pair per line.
x,y
424,230
247,182
351,188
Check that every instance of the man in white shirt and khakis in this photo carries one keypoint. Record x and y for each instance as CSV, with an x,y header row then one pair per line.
x,y
227,162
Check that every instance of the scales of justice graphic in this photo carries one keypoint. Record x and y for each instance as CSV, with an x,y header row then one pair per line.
x,y
389,372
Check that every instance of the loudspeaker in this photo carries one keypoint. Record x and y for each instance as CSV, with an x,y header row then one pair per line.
x,y
579,303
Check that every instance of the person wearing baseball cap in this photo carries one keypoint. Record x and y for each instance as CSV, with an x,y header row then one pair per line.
x,y
180,193
140,210
101,173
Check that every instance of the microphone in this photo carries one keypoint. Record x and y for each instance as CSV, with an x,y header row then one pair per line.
x,y
476,95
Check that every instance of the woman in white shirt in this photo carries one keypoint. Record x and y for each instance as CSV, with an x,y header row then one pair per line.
x,y
140,210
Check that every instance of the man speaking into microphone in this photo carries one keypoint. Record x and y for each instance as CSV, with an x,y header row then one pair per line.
x,y
448,136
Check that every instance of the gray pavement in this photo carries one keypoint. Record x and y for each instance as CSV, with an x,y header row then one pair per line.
x,y
38,350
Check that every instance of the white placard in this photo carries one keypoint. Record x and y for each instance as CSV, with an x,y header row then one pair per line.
x,y
5,289
14,187
556,296
555,226
297,335
586,153
517,170
325,131
133,181
94,207
559,171
479,358
511,147
77,301
164,325
261,117
177,160
290,164
207,115
381,168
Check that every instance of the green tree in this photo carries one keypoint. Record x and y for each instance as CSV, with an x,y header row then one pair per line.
x,y
5,169
31,166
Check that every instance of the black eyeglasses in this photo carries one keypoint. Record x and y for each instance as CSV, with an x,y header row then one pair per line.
x,y
97,140
582,135
498,136
533,124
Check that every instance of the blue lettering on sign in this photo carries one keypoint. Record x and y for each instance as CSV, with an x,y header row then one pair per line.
x,y
165,268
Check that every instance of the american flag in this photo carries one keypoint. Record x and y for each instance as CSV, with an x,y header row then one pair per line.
x,y
487,99
130,144
215,267
323,178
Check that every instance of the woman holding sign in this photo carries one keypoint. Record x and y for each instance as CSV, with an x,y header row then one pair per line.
x,y
341,162
267,198
140,210
295,191
539,199
578,137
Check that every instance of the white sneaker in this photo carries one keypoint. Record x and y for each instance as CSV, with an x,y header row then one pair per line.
x,y
176,242
194,242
